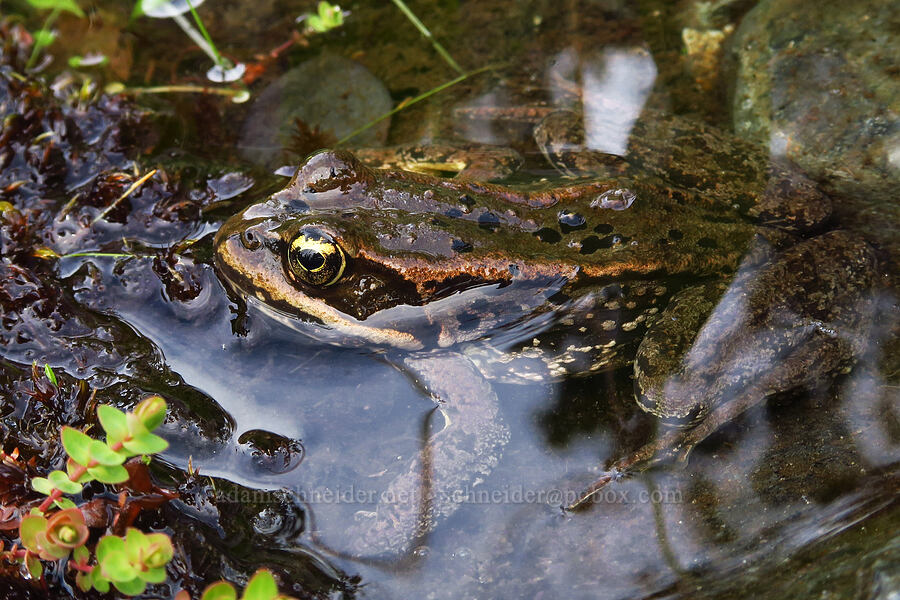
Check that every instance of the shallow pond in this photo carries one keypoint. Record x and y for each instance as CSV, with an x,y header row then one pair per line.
x,y
329,463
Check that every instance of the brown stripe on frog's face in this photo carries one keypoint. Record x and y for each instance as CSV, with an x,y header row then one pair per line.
x,y
369,276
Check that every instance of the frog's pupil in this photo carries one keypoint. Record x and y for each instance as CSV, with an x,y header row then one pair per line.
x,y
310,259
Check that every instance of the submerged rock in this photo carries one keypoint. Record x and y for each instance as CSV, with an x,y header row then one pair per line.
x,y
819,83
332,96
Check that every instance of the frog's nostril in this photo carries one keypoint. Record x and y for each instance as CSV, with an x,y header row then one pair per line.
x,y
250,240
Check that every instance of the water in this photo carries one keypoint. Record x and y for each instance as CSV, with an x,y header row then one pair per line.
x,y
796,497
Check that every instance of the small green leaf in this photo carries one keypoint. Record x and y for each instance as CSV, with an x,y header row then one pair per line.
x,y
261,586
159,550
136,543
84,580
81,555
42,485
34,566
68,5
113,560
113,422
132,587
91,60
61,481
48,371
220,590
77,444
43,38
147,443
29,527
64,503
151,411
101,453
101,583
315,23
109,474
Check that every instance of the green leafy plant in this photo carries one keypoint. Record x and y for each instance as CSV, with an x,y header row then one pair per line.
x,y
56,529
45,36
328,16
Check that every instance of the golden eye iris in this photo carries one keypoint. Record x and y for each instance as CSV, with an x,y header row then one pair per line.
x,y
314,258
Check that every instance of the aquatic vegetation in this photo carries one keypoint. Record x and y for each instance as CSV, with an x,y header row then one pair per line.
x,y
328,16
57,528
45,36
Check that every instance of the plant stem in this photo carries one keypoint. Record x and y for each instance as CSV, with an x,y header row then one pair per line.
x,y
127,193
427,34
217,58
189,30
97,254
37,47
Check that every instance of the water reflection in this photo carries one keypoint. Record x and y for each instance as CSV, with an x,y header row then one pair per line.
x,y
613,88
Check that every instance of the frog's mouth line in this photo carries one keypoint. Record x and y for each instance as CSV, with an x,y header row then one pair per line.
x,y
269,290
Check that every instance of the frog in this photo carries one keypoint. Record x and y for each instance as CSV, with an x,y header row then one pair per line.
x,y
460,281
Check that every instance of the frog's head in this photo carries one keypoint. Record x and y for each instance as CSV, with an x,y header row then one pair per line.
x,y
331,257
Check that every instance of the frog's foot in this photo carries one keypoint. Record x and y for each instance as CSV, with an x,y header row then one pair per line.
x,y
455,459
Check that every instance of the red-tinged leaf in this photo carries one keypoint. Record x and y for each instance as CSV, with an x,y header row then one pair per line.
x,y
48,550
34,566
28,530
151,411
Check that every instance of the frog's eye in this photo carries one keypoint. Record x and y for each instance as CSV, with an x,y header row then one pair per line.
x,y
316,259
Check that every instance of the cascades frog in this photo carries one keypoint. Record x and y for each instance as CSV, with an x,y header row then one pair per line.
x,y
455,278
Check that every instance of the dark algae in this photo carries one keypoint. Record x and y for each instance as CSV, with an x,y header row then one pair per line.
x,y
644,265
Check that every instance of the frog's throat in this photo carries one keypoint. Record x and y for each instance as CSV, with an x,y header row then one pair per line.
x,y
342,330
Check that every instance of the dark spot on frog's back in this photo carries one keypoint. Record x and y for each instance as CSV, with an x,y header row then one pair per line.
x,y
592,243
706,242
548,235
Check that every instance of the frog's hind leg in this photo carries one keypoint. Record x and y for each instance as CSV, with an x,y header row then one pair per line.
x,y
793,323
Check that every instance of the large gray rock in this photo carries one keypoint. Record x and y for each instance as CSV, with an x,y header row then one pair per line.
x,y
819,82
329,93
